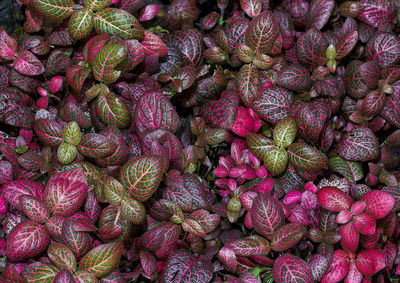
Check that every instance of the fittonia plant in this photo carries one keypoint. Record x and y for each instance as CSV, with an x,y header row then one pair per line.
x,y
201,141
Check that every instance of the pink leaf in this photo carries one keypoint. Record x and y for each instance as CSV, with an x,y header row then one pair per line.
x,y
354,275
379,203
369,262
333,199
350,238
339,268
364,223
153,44
66,191
149,12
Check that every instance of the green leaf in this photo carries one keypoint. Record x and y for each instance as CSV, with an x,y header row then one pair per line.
x,y
259,145
39,272
142,175
305,157
96,5
66,153
248,84
55,10
102,260
106,63
112,111
276,160
286,237
61,256
114,192
349,169
72,133
133,211
285,132
81,23
116,22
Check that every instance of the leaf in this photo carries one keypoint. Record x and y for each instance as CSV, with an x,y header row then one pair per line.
x,y
34,209
8,46
96,146
273,104
97,5
102,260
295,78
130,5
263,33
70,112
133,211
78,242
385,49
182,265
62,256
248,84
141,176
379,203
319,13
28,64
66,153
345,44
285,132
148,262
339,267
57,63
286,237
311,47
76,76
72,133
349,169
289,268
377,13
13,190
394,138
333,199
369,262
81,24
251,7
252,245
350,237
30,161
221,113
106,63
112,111
121,153
266,215
152,44
364,224
206,220
275,160
65,192
305,157
55,10
259,145
26,240
116,22
373,103
359,144
193,227
40,272
153,111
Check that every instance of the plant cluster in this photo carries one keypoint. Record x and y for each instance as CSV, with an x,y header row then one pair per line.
x,y
201,141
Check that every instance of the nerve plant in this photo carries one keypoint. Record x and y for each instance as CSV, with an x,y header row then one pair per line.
x,y
202,141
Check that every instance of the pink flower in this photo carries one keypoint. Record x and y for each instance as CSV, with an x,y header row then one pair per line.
x,y
246,122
